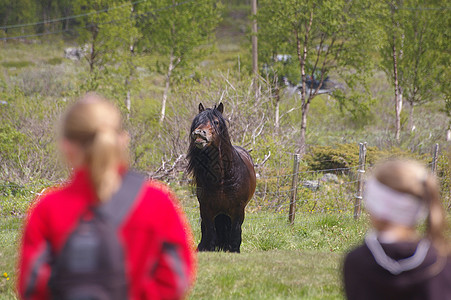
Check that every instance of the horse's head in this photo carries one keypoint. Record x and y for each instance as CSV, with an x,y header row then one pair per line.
x,y
209,127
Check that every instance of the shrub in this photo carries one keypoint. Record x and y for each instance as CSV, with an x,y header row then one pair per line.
x,y
55,61
327,157
10,139
347,156
17,64
444,177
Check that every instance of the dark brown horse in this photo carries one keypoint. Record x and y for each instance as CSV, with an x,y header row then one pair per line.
x,y
225,180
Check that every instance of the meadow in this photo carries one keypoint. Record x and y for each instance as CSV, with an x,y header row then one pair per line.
x,y
277,261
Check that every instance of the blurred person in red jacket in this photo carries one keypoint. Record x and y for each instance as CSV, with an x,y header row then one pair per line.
x,y
157,244
400,259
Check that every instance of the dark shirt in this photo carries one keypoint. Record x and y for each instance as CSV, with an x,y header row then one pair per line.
x,y
365,279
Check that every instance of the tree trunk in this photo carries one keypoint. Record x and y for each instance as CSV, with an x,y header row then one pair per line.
x,y
93,54
396,79
411,124
66,14
305,102
166,89
398,95
92,57
254,49
448,134
302,139
277,112
128,101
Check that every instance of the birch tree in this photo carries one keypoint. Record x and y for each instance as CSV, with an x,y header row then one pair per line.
x,y
422,66
108,36
413,53
175,31
391,19
322,36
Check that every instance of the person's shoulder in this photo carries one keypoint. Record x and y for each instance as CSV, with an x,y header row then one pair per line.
x,y
158,193
158,204
447,265
47,196
45,202
357,256
158,189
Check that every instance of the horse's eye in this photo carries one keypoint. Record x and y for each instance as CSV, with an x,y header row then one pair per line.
x,y
216,122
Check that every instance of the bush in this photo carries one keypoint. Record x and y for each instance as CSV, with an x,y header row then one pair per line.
x,y
55,61
444,178
17,64
10,140
337,157
347,156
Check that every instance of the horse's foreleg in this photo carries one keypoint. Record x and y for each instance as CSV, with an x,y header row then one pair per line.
x,y
208,240
235,241
203,240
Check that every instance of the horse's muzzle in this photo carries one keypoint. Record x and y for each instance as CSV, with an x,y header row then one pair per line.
x,y
200,138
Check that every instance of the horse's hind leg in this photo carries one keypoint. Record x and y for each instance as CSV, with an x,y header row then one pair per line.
x,y
235,241
223,228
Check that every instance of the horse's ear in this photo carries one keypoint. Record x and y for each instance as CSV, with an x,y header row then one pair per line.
x,y
220,108
201,107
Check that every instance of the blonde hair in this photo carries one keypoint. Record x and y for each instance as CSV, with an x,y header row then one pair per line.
x,y
95,124
412,178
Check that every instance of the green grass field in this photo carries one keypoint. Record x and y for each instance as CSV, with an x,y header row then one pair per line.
x,y
274,274
278,261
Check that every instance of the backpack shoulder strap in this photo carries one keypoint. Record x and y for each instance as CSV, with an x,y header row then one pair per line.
x,y
121,202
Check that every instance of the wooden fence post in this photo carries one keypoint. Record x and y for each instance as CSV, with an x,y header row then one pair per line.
x,y
360,172
294,188
434,159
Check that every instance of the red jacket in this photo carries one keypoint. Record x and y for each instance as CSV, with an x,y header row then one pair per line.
x,y
154,220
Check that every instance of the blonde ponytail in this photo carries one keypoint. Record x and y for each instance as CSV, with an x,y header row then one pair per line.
x,y
103,159
436,221
95,124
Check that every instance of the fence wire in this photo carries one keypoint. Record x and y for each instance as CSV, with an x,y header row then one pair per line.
x,y
328,191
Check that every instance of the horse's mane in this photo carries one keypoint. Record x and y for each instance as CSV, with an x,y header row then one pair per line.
x,y
224,146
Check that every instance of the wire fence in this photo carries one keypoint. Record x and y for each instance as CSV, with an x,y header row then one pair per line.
x,y
321,192
337,191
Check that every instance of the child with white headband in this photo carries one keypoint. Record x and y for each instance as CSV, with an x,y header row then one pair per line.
x,y
397,261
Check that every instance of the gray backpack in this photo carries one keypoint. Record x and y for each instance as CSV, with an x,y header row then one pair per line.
x,y
91,263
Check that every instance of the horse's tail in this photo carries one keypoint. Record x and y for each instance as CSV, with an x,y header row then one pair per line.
x,y
223,226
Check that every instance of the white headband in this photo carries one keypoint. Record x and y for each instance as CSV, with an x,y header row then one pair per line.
x,y
387,204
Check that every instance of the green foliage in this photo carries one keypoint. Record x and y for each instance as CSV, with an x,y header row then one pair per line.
x,y
347,156
16,12
336,27
10,140
447,101
109,36
415,37
55,61
327,157
17,64
15,199
357,101
321,38
444,177
178,30
179,33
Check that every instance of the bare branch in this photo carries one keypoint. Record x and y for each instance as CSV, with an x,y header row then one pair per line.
x,y
265,159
